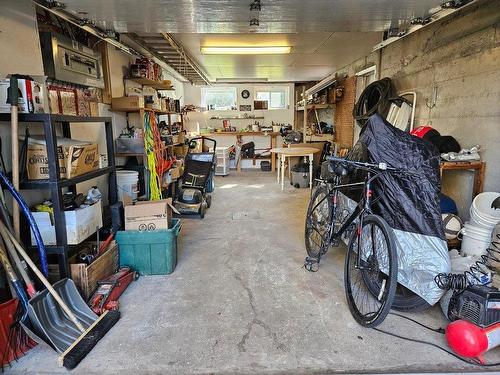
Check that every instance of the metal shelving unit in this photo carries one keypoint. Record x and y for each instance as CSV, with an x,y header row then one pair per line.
x,y
55,184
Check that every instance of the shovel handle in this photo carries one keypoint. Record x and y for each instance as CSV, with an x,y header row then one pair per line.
x,y
46,283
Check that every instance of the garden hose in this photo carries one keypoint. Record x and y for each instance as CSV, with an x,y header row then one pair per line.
x,y
31,220
152,147
374,99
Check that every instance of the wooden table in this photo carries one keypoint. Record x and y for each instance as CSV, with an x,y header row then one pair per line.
x,y
284,152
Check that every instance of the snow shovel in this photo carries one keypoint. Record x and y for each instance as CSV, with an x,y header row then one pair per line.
x,y
62,319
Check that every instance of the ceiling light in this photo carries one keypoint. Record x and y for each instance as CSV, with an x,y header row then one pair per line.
x,y
255,6
323,84
240,80
244,50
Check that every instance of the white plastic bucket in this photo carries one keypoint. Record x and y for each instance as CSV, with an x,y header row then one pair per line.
x,y
128,184
480,221
481,210
475,239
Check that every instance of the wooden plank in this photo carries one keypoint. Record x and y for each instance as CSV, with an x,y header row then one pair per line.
x,y
462,165
273,156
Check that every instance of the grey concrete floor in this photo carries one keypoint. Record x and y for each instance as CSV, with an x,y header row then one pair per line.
x,y
239,301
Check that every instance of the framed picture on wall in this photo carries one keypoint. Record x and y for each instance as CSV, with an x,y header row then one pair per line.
x,y
245,107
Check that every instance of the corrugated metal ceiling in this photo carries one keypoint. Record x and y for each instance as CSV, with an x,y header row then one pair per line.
x,y
324,34
232,16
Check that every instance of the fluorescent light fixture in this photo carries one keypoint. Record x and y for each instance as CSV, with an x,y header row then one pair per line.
x,y
322,84
240,80
245,50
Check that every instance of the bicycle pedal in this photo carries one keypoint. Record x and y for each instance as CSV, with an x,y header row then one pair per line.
x,y
311,264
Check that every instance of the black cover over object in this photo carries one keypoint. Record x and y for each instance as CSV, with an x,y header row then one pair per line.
x,y
408,202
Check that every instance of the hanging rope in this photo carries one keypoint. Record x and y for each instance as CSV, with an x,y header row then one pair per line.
x,y
153,149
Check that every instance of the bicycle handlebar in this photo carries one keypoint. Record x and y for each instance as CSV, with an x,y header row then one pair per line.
x,y
360,164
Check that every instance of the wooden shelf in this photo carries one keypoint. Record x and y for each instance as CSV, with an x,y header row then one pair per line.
x,y
125,154
237,118
315,106
170,113
243,133
136,110
151,83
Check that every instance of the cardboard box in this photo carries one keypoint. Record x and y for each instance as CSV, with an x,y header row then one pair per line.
x,y
175,172
149,216
74,160
127,103
181,137
94,109
37,164
86,276
81,159
25,103
80,224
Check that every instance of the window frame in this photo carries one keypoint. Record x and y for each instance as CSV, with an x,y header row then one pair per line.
x,y
276,89
230,89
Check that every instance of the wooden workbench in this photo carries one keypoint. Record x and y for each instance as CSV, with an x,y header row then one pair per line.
x,y
239,135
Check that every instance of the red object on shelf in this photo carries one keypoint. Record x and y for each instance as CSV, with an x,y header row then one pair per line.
x,y
8,354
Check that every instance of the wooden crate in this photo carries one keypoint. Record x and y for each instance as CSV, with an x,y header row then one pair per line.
x,y
86,276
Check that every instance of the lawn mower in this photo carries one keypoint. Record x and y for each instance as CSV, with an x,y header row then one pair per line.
x,y
198,178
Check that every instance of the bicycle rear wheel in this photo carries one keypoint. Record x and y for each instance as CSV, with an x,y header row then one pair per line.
x,y
317,222
377,261
404,298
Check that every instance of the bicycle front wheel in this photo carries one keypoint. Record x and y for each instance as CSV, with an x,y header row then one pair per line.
x,y
371,255
318,219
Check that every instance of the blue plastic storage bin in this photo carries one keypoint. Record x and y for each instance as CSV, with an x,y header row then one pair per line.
x,y
149,253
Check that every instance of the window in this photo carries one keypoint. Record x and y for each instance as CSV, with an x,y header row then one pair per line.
x,y
277,97
218,98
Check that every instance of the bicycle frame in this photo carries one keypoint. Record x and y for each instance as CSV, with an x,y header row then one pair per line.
x,y
363,207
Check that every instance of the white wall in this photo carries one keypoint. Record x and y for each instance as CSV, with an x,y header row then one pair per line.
x,y
19,42
193,96
21,53
459,56
193,119
19,36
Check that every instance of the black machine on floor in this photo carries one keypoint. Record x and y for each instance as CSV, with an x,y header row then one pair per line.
x,y
477,304
198,178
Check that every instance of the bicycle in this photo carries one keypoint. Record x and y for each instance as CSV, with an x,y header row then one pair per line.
x,y
371,266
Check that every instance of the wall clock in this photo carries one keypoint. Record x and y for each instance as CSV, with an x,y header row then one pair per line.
x,y
245,94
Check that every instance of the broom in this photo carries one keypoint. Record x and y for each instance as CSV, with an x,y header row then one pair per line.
x,y
89,337
17,341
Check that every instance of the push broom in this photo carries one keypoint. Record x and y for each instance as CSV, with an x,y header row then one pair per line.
x,y
89,336
59,317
